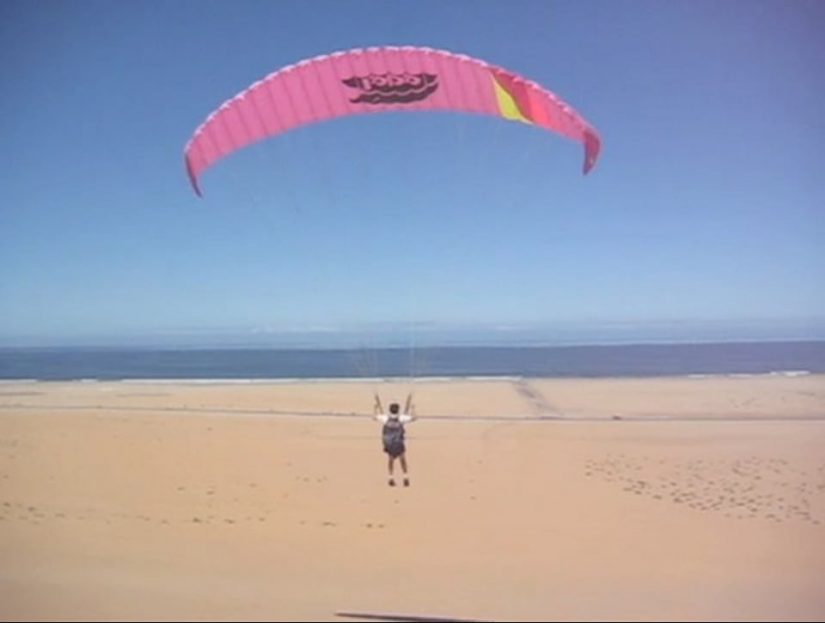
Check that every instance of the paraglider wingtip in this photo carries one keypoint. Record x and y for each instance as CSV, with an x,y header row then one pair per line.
x,y
592,148
195,186
193,180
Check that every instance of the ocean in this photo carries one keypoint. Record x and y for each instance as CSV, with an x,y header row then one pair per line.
x,y
247,364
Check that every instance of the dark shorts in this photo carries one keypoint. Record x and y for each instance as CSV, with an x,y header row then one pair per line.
x,y
395,450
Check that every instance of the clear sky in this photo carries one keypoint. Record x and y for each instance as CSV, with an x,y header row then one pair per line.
x,y
706,206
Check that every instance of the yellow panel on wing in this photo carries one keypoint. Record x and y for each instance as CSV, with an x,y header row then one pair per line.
x,y
507,105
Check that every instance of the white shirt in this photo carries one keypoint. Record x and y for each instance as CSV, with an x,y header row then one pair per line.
x,y
402,417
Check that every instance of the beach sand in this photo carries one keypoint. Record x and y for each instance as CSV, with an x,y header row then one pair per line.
x,y
576,499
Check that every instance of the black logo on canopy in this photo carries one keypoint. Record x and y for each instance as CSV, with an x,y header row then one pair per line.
x,y
392,88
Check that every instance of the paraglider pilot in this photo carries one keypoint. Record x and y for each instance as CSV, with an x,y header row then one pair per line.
x,y
392,435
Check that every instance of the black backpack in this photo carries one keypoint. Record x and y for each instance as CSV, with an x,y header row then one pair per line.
x,y
393,434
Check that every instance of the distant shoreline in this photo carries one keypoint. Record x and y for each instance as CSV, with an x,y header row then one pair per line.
x,y
394,346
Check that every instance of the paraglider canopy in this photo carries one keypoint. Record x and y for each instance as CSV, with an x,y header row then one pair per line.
x,y
378,80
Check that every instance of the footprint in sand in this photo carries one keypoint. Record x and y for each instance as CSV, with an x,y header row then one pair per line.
x,y
751,488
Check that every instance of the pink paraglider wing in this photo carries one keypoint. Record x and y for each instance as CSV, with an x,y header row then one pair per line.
x,y
379,80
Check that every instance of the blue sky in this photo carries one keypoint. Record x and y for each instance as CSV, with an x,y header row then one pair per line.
x,y
706,208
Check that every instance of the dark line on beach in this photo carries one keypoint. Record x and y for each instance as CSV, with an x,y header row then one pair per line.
x,y
403,617
443,417
538,403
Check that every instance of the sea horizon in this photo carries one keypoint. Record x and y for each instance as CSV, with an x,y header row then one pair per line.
x,y
265,363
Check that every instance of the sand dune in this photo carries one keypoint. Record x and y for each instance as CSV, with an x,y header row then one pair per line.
x,y
170,501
